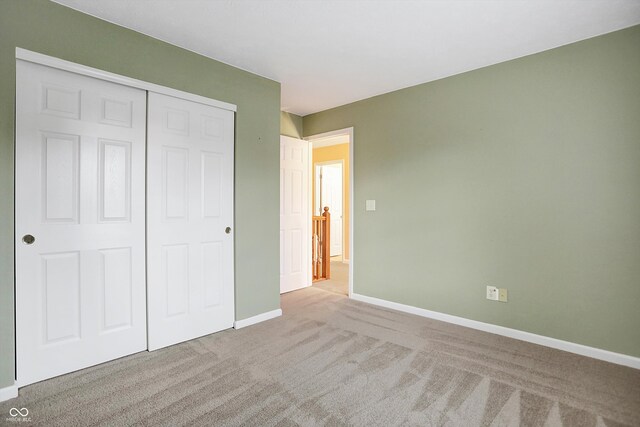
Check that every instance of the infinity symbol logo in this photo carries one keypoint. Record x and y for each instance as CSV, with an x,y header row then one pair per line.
x,y
14,412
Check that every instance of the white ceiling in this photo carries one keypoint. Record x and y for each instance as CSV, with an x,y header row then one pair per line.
x,y
328,53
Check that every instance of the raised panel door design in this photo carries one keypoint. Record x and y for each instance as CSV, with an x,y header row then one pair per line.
x,y
61,177
175,183
282,251
296,250
211,184
212,268
297,154
295,215
80,286
297,189
175,262
117,288
190,256
60,101
116,112
213,128
61,305
114,196
177,122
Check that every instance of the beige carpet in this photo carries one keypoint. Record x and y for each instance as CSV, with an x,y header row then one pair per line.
x,y
339,281
333,361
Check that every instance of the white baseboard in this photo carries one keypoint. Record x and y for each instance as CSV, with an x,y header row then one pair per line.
x,y
596,353
243,323
9,392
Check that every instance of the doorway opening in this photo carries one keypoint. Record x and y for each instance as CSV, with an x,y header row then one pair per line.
x,y
332,185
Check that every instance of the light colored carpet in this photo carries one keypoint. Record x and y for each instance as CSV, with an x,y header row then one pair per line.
x,y
333,361
339,281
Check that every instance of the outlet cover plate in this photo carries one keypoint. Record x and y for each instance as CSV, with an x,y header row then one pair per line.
x,y
502,295
492,293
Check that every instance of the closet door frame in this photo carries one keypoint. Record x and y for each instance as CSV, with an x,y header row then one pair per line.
x,y
60,64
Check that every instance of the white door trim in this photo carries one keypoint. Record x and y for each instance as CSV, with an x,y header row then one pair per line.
x,y
61,64
346,131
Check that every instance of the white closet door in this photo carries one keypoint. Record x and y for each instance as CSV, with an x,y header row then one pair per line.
x,y
189,220
332,197
80,284
295,215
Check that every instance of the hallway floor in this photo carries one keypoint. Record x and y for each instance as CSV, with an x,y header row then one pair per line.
x,y
339,281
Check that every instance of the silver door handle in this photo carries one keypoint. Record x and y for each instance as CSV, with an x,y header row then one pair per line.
x,y
28,239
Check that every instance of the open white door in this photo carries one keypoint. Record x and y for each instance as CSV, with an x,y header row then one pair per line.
x,y
80,222
295,214
189,220
331,187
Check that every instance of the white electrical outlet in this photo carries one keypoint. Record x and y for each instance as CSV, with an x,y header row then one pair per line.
x,y
492,293
502,295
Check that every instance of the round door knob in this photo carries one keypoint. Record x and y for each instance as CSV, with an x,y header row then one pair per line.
x,y
227,230
28,239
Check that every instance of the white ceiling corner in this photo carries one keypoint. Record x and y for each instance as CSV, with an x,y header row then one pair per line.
x,y
327,53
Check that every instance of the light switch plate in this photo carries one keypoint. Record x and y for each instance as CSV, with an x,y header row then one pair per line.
x,y
370,205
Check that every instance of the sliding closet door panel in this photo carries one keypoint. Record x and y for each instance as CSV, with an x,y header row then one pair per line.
x,y
80,183
190,205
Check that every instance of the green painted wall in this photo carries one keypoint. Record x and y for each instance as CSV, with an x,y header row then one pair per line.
x,y
290,125
48,28
524,175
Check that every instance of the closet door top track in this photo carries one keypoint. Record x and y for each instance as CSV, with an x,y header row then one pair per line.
x,y
61,64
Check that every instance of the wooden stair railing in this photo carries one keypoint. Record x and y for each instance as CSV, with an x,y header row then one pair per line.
x,y
320,243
